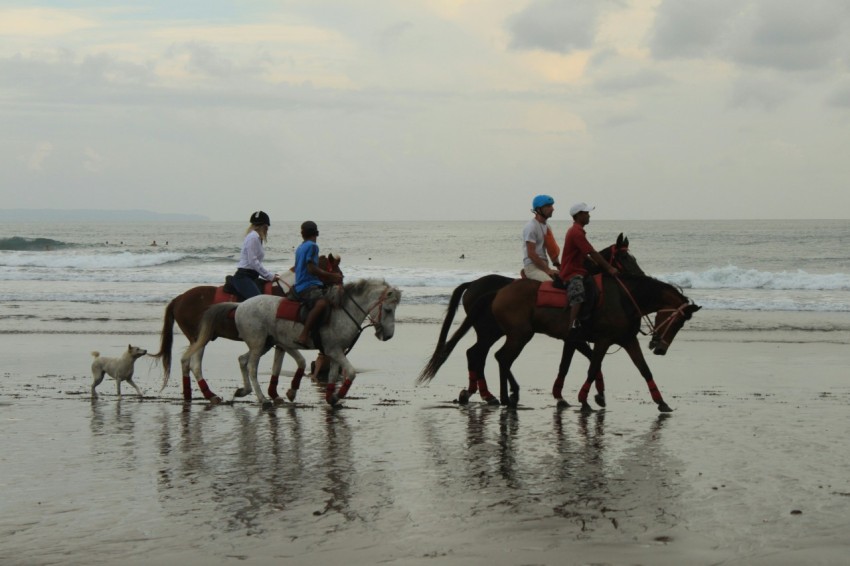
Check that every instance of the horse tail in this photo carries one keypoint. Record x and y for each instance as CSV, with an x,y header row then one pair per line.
x,y
454,303
444,348
166,340
213,316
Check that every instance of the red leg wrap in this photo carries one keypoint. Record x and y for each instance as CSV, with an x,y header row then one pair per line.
x,y
653,390
187,388
600,383
582,394
205,389
296,379
273,387
343,391
558,387
482,389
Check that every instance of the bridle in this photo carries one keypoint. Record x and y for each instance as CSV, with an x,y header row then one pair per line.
x,y
666,325
374,320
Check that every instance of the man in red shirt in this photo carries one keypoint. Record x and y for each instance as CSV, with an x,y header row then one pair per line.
x,y
576,249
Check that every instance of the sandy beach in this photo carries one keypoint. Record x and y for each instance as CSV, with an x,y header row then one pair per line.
x,y
750,468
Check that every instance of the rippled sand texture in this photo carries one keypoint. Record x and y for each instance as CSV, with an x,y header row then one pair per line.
x,y
751,468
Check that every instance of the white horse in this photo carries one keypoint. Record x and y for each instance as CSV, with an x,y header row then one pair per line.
x,y
372,299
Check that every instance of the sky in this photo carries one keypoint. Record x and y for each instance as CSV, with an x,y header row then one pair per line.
x,y
427,109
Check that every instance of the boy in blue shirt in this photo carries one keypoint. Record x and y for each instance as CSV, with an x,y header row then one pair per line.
x,y
308,285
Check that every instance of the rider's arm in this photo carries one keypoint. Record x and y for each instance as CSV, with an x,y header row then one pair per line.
x,y
537,260
600,261
314,269
253,249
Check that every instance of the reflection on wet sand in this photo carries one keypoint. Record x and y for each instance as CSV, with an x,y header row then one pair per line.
x,y
244,470
575,471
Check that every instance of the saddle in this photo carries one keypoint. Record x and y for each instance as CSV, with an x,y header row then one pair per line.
x,y
227,293
554,295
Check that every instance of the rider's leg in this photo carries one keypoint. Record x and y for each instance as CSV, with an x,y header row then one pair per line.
x,y
314,315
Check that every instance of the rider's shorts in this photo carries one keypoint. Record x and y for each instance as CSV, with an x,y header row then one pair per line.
x,y
575,290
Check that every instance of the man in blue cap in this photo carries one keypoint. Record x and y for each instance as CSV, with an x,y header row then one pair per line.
x,y
535,262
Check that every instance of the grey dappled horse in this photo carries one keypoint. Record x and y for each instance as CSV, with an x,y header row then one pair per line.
x,y
372,299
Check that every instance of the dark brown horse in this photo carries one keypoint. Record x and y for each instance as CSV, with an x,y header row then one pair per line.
x,y
187,310
477,297
627,300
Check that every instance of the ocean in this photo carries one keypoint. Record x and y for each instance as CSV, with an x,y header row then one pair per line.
x,y
762,275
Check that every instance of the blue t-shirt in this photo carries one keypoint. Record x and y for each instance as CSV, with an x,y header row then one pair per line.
x,y
307,253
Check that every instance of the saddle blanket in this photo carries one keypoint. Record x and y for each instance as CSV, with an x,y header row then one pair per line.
x,y
287,309
550,296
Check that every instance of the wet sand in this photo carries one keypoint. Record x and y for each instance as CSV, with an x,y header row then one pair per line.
x,y
750,468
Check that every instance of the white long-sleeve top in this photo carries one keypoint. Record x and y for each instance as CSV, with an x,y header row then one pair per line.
x,y
252,255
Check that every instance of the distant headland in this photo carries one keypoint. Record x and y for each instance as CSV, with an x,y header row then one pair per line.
x,y
91,215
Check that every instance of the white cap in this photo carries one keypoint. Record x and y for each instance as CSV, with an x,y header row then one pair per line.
x,y
580,207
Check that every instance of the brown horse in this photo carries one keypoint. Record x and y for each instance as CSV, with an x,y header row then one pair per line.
x,y
187,310
477,297
627,300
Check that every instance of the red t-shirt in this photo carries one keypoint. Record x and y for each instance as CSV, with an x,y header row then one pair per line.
x,y
576,248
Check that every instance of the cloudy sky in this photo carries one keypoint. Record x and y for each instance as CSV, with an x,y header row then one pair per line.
x,y
427,109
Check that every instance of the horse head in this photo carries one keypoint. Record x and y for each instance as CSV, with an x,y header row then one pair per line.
x,y
378,301
668,322
618,255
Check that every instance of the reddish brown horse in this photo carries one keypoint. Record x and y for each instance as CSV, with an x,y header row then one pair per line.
x,y
477,297
512,312
187,310
627,300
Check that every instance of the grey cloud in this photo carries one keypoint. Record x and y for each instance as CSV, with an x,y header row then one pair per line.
x,y
759,92
774,34
691,28
637,80
840,98
556,25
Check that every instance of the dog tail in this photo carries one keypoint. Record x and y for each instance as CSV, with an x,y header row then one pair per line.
x,y
95,354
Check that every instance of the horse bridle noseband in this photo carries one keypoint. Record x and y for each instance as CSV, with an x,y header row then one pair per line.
x,y
665,326
373,321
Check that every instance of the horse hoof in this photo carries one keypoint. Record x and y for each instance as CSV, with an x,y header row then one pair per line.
x,y
278,401
492,401
333,400
514,399
585,408
268,404
664,407
463,397
241,392
290,394
215,400
600,399
562,404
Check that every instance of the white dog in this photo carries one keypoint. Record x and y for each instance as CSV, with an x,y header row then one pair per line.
x,y
120,369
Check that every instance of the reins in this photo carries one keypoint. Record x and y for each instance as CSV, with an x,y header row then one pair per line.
x,y
366,312
652,329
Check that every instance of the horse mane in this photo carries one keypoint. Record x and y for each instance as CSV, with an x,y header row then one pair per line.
x,y
644,284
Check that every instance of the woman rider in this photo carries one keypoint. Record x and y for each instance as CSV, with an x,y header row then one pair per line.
x,y
250,267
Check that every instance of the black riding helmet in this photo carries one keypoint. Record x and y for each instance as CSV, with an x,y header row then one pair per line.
x,y
259,218
309,228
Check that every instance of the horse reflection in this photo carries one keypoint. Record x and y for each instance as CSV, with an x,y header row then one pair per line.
x,y
251,471
604,484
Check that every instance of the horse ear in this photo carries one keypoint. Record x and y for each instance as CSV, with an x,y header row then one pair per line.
x,y
620,240
625,242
